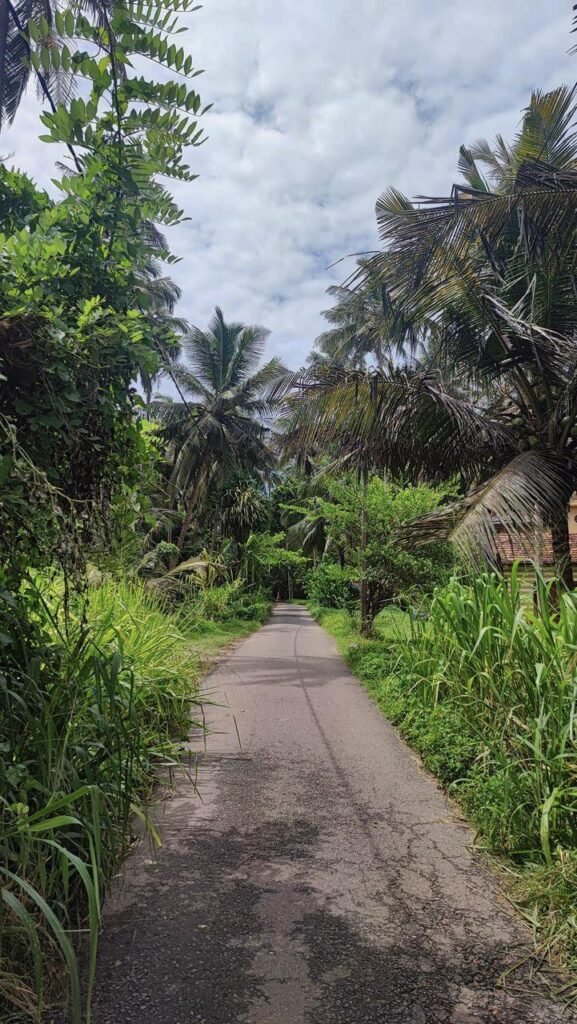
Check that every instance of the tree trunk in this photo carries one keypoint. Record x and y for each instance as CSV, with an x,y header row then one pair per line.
x,y
215,531
365,621
185,525
562,551
4,29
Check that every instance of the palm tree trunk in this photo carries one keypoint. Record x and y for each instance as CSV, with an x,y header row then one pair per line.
x,y
562,551
148,397
4,28
216,527
185,525
365,624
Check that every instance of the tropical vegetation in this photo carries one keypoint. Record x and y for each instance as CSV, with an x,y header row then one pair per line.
x,y
163,482
217,427
483,279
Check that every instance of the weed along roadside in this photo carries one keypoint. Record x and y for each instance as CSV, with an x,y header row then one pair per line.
x,y
113,719
483,688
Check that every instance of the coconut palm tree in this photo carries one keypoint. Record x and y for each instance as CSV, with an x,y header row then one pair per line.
x,y
16,44
490,271
366,325
219,427
157,297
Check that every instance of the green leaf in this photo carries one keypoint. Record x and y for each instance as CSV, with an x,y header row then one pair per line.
x,y
6,464
60,936
31,928
53,823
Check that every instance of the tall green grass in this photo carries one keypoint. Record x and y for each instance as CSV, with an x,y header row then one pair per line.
x,y
96,694
509,669
485,688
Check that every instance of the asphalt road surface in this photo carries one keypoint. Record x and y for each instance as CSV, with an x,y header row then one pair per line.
x,y
320,878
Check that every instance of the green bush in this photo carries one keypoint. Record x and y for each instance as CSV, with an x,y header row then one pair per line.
x,y
255,608
218,603
164,556
230,601
330,586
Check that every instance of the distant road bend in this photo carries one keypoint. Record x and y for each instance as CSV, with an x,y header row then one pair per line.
x,y
322,878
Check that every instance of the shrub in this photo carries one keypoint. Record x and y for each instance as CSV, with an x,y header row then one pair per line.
x,y
330,586
230,601
163,557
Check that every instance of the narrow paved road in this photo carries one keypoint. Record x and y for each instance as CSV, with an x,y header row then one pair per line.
x,y
321,879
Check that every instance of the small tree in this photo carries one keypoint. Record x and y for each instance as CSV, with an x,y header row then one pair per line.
x,y
382,567
77,328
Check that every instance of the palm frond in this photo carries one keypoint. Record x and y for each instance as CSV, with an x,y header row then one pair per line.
x,y
15,68
161,293
260,386
188,382
307,535
224,339
200,351
246,355
405,421
470,171
547,133
529,491
14,55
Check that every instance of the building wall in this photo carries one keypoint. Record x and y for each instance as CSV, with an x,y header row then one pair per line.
x,y
540,550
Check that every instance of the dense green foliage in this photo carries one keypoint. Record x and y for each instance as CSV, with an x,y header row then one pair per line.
x,y
373,555
330,585
78,324
479,284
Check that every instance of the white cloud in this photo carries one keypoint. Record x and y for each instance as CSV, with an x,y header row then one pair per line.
x,y
317,109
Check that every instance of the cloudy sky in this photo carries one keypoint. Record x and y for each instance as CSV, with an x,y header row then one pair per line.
x,y
318,107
